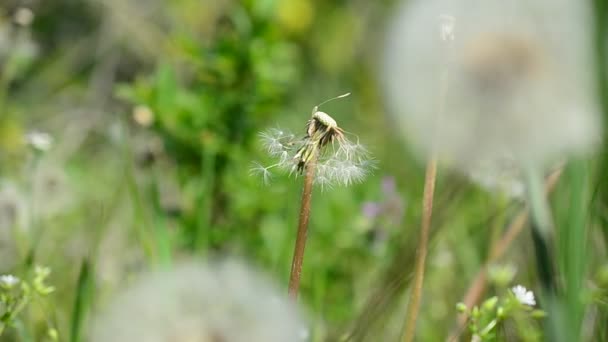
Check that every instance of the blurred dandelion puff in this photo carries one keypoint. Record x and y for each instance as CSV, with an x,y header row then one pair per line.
x,y
518,81
339,161
213,301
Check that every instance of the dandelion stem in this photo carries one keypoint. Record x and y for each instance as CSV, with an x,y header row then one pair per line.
x,y
298,253
427,210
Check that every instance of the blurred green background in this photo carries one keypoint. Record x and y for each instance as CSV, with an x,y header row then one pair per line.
x,y
155,108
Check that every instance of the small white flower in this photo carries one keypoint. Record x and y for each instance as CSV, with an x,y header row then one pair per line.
x,y
40,141
523,295
8,281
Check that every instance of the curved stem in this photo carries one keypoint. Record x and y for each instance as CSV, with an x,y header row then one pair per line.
x,y
298,253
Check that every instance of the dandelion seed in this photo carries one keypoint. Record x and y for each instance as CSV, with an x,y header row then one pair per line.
x,y
523,295
258,169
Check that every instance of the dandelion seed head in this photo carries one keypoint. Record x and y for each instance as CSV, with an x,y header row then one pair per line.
x,y
523,295
223,301
338,160
516,79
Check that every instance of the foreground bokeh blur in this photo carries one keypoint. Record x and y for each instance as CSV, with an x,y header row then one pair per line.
x,y
128,130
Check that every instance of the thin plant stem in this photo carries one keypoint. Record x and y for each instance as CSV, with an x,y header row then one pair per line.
x,y
427,210
298,252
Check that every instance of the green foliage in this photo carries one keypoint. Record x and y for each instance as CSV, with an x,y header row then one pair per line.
x,y
155,109
17,294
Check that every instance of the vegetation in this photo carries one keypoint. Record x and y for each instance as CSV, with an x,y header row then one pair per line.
x,y
130,133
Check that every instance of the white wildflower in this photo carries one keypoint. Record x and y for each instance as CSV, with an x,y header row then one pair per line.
x,y
40,141
7,281
200,302
516,75
523,295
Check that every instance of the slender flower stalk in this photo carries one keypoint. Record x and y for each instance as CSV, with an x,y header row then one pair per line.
x,y
298,252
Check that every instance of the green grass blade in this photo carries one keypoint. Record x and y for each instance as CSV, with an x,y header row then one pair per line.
x,y
82,301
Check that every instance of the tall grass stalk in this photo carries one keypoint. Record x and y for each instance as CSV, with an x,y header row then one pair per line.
x,y
304,217
427,210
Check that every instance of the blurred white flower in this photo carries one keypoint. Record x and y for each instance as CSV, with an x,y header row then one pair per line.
x,y
516,75
24,16
143,115
7,281
523,295
200,302
40,141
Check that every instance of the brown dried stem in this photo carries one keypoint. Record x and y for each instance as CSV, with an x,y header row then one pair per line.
x,y
298,253
427,210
